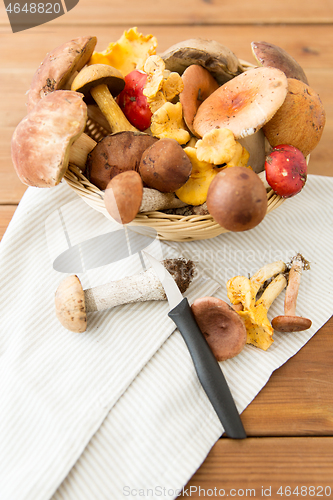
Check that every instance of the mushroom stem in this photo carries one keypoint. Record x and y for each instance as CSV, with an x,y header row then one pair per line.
x,y
272,291
138,288
153,200
265,273
80,149
110,109
295,275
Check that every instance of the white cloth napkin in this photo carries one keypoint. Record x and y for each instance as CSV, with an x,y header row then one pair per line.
x,y
118,412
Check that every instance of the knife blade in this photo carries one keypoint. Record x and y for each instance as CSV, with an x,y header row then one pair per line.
x,y
208,369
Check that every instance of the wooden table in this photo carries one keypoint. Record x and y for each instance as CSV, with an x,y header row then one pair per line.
x,y
290,423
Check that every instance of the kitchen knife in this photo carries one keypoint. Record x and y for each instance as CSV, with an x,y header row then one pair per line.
x,y
206,365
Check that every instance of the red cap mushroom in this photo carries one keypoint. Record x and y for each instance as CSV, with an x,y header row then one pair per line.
x,y
222,327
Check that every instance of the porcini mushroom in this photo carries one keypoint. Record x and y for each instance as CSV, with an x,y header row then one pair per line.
x,y
222,327
165,166
114,154
123,196
244,104
268,54
290,322
103,83
198,85
218,59
59,66
300,120
49,137
237,199
72,303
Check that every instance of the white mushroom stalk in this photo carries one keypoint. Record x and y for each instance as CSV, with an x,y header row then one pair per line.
x,y
72,303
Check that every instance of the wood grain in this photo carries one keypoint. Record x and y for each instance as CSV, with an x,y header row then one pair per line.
x,y
264,465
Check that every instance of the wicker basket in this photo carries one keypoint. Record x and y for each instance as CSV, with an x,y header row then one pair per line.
x,y
168,226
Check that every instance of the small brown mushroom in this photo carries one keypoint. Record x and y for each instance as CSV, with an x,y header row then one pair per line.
x,y
198,85
290,322
222,327
237,199
268,54
164,166
102,83
59,66
244,104
300,120
49,137
114,154
123,196
72,303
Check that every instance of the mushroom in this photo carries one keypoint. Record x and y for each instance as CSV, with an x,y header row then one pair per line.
x,y
102,83
237,199
164,166
123,196
59,66
222,327
194,191
72,303
244,104
49,137
290,322
198,85
268,54
220,61
167,122
114,154
219,146
300,120
259,329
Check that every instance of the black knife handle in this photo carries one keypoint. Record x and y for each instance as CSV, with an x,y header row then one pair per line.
x,y
208,370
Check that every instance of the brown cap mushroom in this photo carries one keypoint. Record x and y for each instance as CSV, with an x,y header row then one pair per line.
x,y
114,154
222,327
198,85
290,322
300,120
59,66
244,104
70,305
237,199
123,196
103,83
165,166
41,142
268,54
220,61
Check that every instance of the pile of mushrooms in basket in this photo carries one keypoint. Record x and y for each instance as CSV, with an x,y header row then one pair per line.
x,y
191,131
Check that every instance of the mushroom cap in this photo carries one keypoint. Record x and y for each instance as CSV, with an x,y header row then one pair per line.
x,y
220,61
123,196
291,323
268,54
70,305
58,66
244,104
165,166
41,141
237,199
114,154
300,120
221,325
97,74
198,85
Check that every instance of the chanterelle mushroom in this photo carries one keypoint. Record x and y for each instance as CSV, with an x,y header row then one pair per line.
x,y
41,143
59,66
